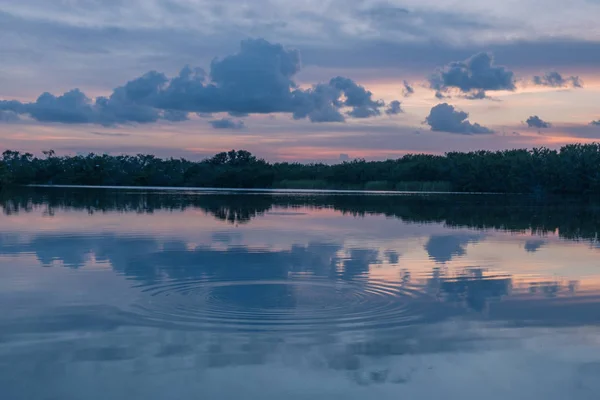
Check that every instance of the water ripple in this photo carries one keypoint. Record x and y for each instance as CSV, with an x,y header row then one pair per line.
x,y
297,304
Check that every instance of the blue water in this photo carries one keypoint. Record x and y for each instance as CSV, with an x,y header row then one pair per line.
x,y
155,294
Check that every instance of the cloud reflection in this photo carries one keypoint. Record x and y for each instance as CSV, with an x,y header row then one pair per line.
x,y
443,248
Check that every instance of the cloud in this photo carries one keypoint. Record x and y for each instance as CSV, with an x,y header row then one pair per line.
x,y
595,123
443,117
382,13
556,80
357,97
238,114
589,131
394,108
324,102
318,104
258,79
536,122
476,75
393,22
74,107
106,43
175,115
408,90
9,116
416,56
110,134
477,95
226,123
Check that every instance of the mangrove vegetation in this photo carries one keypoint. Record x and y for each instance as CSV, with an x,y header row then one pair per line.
x,y
573,169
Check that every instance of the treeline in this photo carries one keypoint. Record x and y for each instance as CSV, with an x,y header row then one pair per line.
x,y
573,217
574,169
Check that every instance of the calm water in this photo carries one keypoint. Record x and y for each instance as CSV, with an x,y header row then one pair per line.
x,y
122,294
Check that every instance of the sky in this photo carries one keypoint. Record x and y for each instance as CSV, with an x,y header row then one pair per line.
x,y
309,80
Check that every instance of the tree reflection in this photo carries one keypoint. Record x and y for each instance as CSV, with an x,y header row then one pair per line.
x,y
572,218
553,288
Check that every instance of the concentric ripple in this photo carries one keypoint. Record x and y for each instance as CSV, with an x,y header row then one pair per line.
x,y
296,304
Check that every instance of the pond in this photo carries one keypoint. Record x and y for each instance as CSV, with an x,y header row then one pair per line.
x,y
174,294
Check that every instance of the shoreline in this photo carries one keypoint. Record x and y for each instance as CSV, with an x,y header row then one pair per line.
x,y
261,190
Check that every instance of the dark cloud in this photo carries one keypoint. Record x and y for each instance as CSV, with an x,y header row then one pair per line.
x,y
408,90
536,122
443,117
175,115
394,108
257,79
554,79
74,107
226,123
357,97
595,123
238,114
476,75
318,104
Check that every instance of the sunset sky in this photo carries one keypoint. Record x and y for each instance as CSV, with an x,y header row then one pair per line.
x,y
305,80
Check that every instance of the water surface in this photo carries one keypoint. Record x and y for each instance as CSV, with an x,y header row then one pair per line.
x,y
149,294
